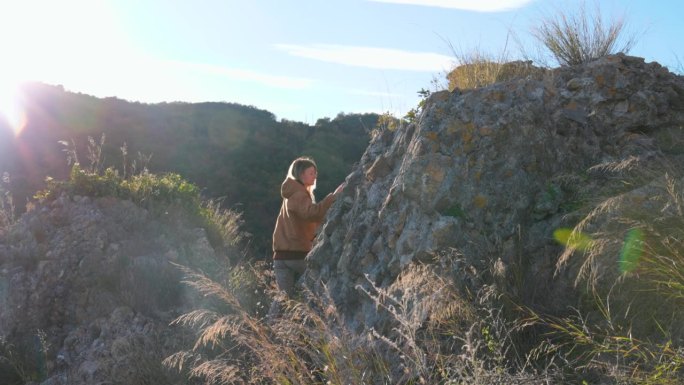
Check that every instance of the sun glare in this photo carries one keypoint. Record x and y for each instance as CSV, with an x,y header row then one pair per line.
x,y
74,43
11,109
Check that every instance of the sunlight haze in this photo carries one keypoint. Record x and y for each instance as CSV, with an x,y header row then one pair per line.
x,y
301,60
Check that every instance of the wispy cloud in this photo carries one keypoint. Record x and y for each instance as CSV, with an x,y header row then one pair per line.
x,y
248,75
468,5
370,57
374,93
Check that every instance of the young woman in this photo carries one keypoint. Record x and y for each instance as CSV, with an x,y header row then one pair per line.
x,y
297,222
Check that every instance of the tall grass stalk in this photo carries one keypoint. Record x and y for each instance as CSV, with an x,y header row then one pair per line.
x,y
26,363
477,68
632,325
580,37
225,223
608,348
431,336
304,344
440,337
7,209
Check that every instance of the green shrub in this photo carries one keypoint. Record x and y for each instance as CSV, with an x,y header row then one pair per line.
x,y
165,196
150,191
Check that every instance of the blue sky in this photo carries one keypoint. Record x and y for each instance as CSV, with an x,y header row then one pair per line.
x,y
300,59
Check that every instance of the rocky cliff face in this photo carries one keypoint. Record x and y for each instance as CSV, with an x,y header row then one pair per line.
x,y
477,186
87,292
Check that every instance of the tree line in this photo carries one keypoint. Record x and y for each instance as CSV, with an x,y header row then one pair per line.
x,y
235,153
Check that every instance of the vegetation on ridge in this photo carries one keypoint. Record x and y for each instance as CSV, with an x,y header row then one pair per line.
x,y
583,36
235,155
163,195
570,36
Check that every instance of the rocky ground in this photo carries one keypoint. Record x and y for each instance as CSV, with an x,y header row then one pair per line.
x,y
88,290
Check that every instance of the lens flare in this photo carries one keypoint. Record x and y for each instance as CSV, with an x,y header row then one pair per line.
x,y
632,250
573,239
11,109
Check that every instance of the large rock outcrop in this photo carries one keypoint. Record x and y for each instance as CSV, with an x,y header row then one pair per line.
x,y
479,183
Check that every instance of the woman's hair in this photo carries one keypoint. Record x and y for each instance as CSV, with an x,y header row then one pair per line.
x,y
297,168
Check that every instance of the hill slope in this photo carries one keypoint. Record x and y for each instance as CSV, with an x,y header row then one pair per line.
x,y
234,152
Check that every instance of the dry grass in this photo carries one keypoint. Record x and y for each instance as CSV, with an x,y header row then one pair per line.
x,y
433,335
637,196
442,337
475,71
606,348
576,36
632,327
26,361
679,66
299,346
478,69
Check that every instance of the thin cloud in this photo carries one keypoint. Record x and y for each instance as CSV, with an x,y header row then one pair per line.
x,y
466,5
374,93
369,57
248,75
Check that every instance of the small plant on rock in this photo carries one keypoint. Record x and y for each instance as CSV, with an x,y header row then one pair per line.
x,y
582,37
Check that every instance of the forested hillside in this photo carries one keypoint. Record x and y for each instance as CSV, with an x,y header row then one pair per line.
x,y
233,152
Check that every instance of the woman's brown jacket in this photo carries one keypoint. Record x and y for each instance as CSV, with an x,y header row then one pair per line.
x,y
298,219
